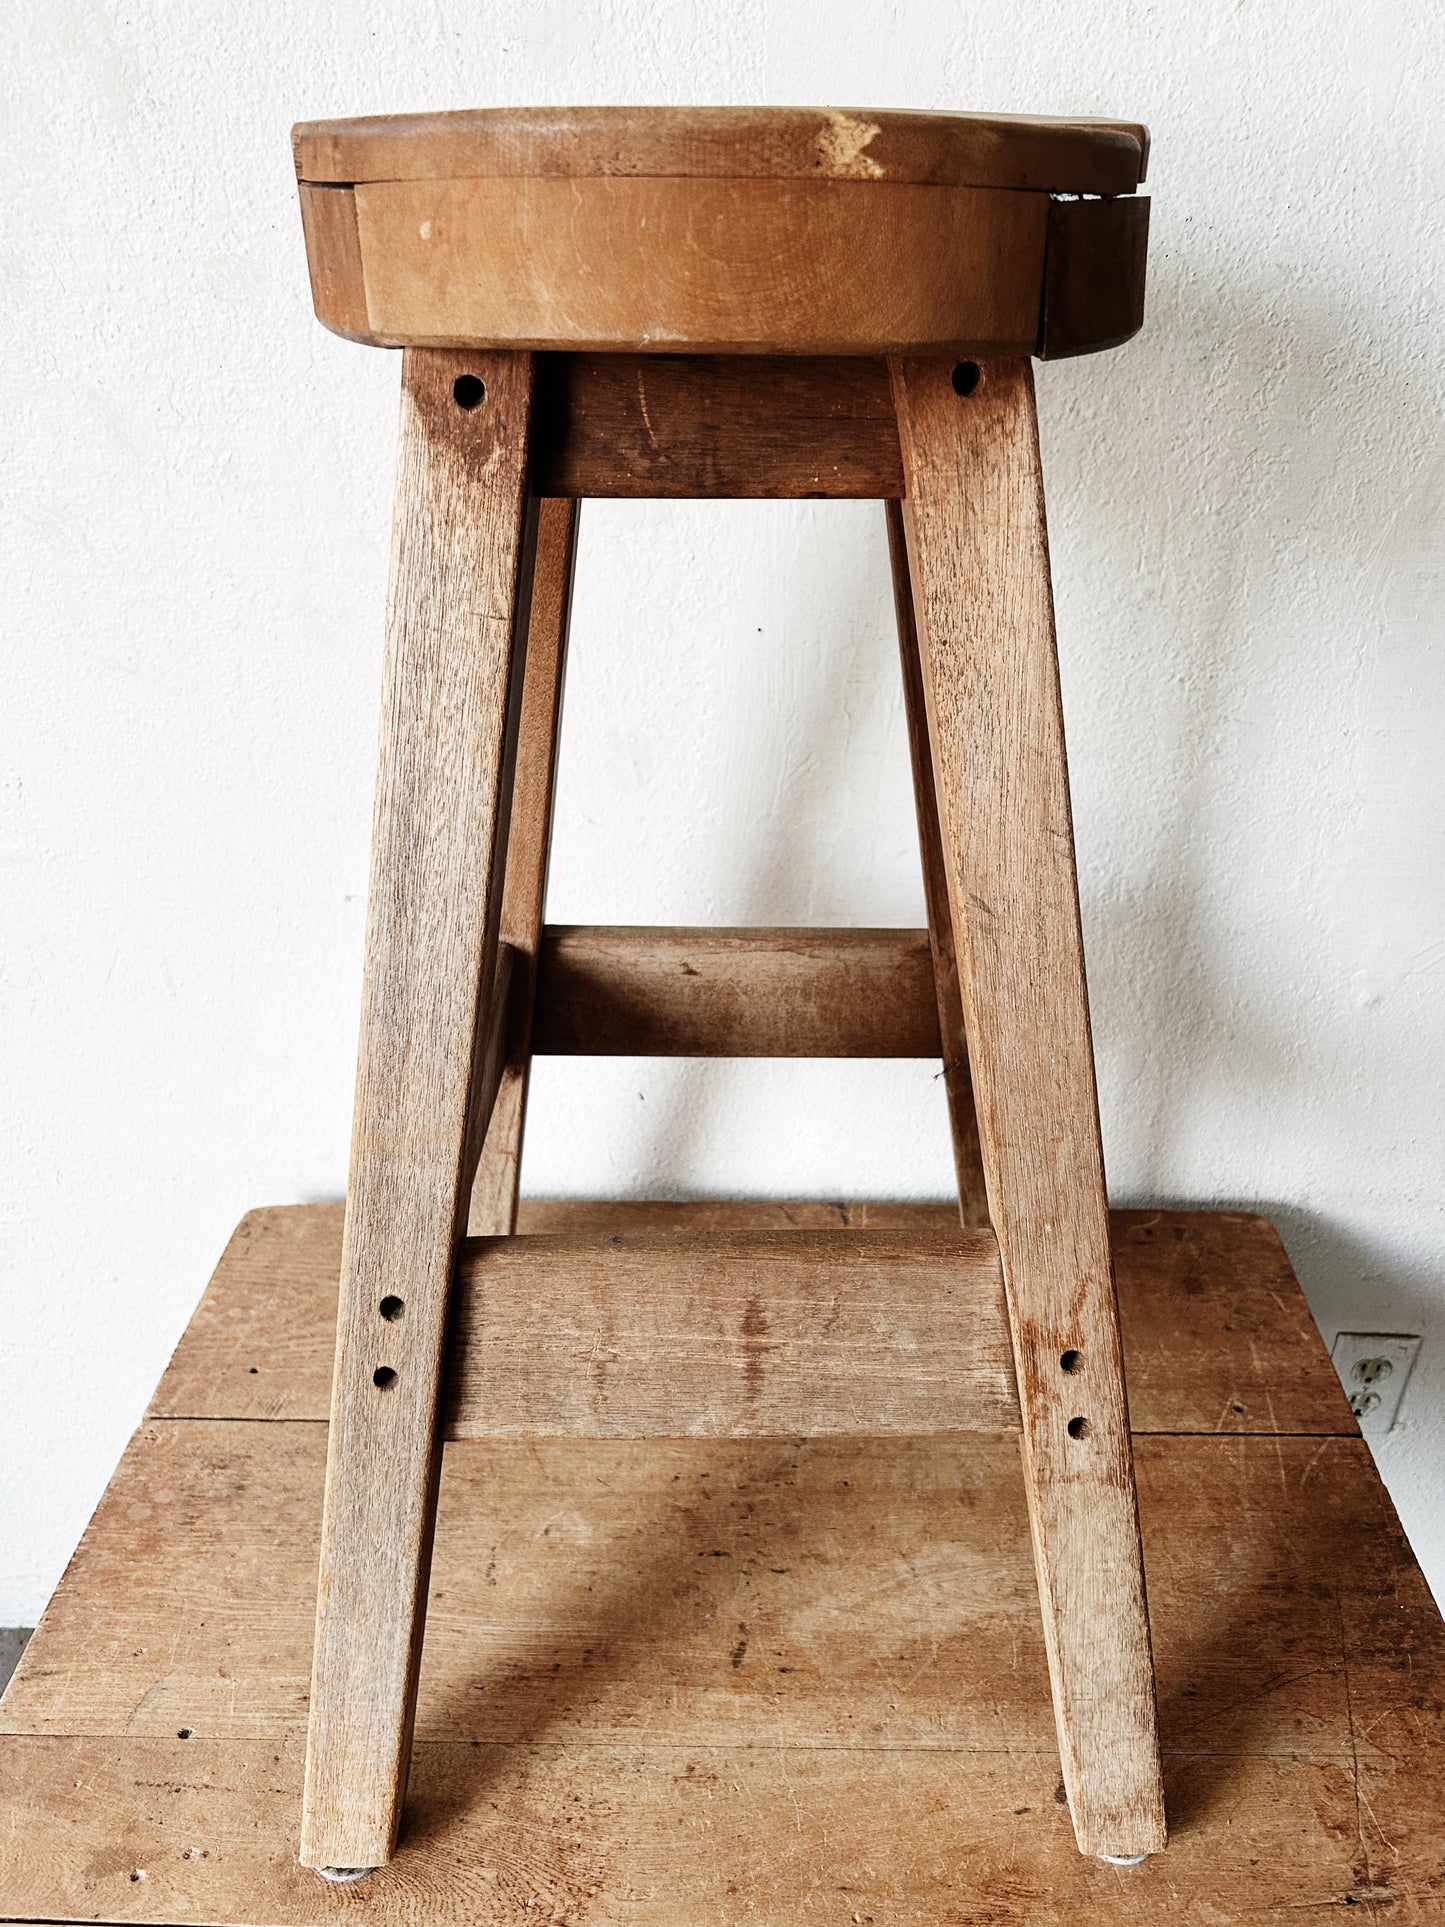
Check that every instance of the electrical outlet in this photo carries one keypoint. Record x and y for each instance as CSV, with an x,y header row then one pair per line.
x,y
1374,1368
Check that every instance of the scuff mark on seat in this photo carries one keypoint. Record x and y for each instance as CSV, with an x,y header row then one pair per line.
x,y
841,141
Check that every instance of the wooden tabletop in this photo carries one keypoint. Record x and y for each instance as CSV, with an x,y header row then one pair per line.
x,y
699,1681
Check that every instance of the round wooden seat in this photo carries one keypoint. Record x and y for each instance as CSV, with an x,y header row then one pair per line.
x,y
726,230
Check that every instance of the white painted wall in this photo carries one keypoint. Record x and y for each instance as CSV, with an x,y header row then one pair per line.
x,y
1247,520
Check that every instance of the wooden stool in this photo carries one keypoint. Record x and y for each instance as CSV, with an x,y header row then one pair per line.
x,y
680,302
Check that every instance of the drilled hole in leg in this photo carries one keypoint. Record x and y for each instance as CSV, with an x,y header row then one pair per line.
x,y
1070,1361
966,377
469,392
384,1376
1078,1428
391,1308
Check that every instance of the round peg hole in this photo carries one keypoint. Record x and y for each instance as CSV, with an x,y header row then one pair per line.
x,y
966,377
184,1733
469,392
391,1308
1078,1428
1070,1361
383,1376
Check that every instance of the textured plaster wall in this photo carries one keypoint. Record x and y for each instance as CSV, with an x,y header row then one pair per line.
x,y
1247,523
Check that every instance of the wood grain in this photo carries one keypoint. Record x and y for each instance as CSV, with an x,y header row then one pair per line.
x,y
593,1744
529,844
642,1836
456,631
643,991
493,1037
772,426
1095,262
598,1592
1067,156
333,254
740,1334
581,1710
541,1215
1217,1335
978,557
963,1123
756,230
722,266
1090,268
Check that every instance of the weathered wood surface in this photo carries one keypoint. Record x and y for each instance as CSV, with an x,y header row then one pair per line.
x,y
622,990
1094,276
456,636
730,1214
773,230
704,1836
674,264
771,426
665,1681
1069,156
1217,1335
333,255
978,564
491,1058
529,844
962,1118
742,1334
395,207
811,1593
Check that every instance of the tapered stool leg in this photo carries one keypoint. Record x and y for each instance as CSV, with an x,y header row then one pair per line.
x,y
529,844
957,1078
974,515
430,1045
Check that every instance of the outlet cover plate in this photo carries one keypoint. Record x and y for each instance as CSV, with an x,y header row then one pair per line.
x,y
1374,1368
